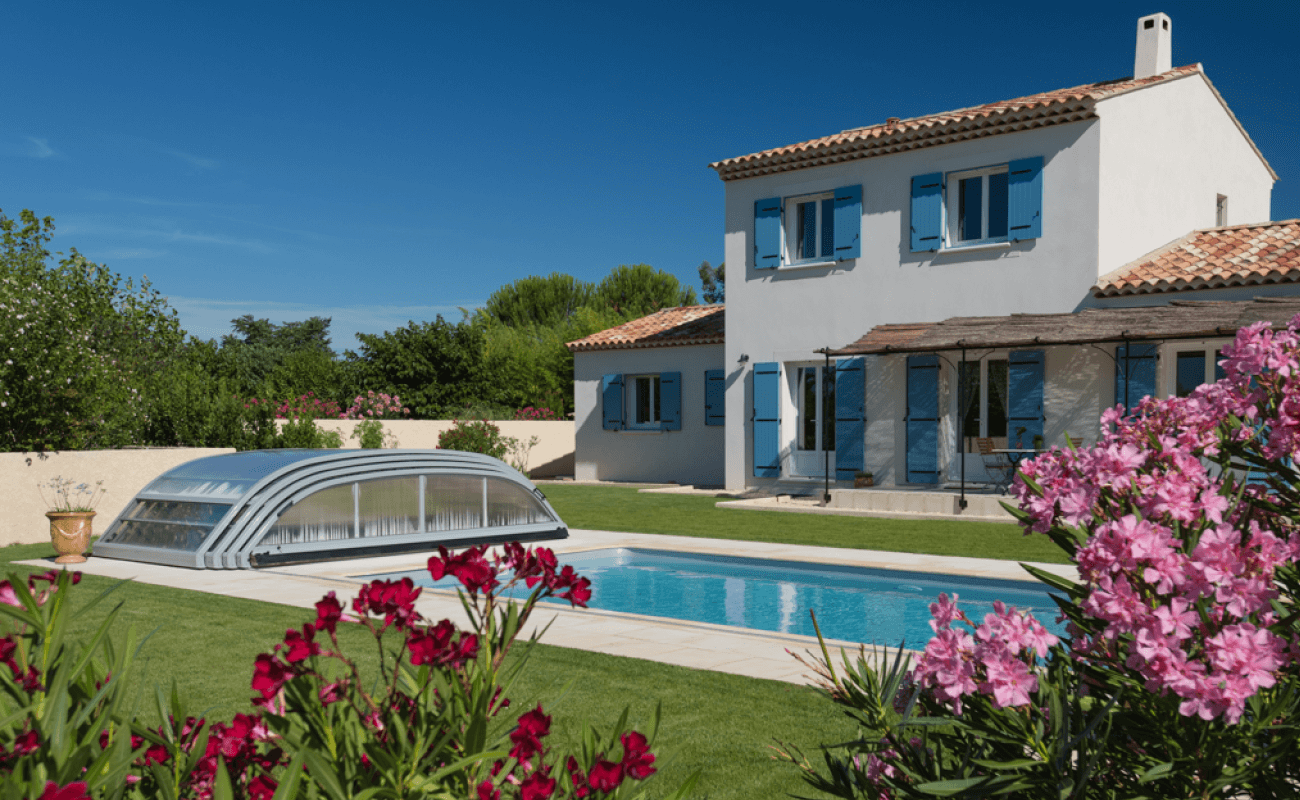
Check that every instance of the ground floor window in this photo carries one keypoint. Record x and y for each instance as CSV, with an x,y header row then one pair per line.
x,y
1195,367
645,399
816,386
982,397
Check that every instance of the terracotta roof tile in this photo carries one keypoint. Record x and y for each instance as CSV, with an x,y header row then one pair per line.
x,y
1238,255
895,135
668,327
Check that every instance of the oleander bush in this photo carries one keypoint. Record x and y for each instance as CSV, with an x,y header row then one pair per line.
x,y
437,722
1179,675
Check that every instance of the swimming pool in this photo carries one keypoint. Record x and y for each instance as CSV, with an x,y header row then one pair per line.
x,y
873,606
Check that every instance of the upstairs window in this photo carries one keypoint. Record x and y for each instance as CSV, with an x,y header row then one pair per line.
x,y
1220,210
977,206
810,228
806,229
985,205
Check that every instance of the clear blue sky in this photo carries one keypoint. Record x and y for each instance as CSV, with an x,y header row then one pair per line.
x,y
380,162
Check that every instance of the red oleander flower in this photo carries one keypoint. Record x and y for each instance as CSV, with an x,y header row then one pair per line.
x,y
605,776
486,791
328,613
637,758
527,737
73,791
31,681
537,786
269,675
262,788
299,646
578,594
579,779
27,742
470,567
395,600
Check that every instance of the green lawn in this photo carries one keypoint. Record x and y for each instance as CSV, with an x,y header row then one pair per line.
x,y
719,724
612,508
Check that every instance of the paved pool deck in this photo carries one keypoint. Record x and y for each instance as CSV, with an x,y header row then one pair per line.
x,y
698,645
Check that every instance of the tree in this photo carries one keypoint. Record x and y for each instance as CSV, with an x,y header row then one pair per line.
x,y
636,290
714,282
436,367
78,345
263,359
538,300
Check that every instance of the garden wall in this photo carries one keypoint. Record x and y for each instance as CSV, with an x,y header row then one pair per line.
x,y
124,472
552,456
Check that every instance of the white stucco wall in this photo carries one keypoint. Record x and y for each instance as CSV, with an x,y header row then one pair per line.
x,y
1167,151
786,314
693,455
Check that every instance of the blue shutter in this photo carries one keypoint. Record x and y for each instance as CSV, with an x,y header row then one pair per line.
x,y
848,222
1025,395
850,416
923,419
670,401
715,397
767,233
611,394
927,212
767,420
1135,370
1025,198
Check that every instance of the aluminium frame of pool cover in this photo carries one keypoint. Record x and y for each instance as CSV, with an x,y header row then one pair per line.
x,y
290,476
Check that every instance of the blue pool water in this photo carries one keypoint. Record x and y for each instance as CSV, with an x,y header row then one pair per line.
x,y
873,606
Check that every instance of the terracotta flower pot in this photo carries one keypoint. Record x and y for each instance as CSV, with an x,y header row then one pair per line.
x,y
70,534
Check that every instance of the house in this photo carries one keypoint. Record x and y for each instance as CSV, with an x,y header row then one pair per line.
x,y
648,399
885,279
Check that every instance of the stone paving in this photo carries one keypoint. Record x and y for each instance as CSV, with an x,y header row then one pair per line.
x,y
757,654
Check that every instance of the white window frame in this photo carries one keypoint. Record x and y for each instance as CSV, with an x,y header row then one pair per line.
x,y
1169,361
952,197
790,233
634,388
1220,210
983,401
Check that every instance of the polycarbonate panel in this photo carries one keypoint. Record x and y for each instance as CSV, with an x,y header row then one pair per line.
x,y
166,535
389,506
452,502
177,511
199,488
511,504
325,515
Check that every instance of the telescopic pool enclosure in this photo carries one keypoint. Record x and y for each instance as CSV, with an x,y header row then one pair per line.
x,y
269,507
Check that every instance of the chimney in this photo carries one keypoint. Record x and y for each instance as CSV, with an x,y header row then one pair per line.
x,y
1154,46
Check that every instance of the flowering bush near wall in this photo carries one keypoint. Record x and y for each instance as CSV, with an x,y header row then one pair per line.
x,y
1180,673
435,724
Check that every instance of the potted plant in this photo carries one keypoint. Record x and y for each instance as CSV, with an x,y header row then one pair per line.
x,y
1039,443
862,479
1019,433
70,516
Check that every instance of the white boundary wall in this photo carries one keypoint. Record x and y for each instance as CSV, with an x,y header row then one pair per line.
x,y
552,455
124,473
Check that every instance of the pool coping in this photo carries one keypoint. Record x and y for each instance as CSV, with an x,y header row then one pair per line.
x,y
695,645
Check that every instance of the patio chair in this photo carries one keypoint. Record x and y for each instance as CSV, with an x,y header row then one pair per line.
x,y
999,466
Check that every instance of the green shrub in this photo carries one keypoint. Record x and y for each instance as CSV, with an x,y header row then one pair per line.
x,y
475,436
372,436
